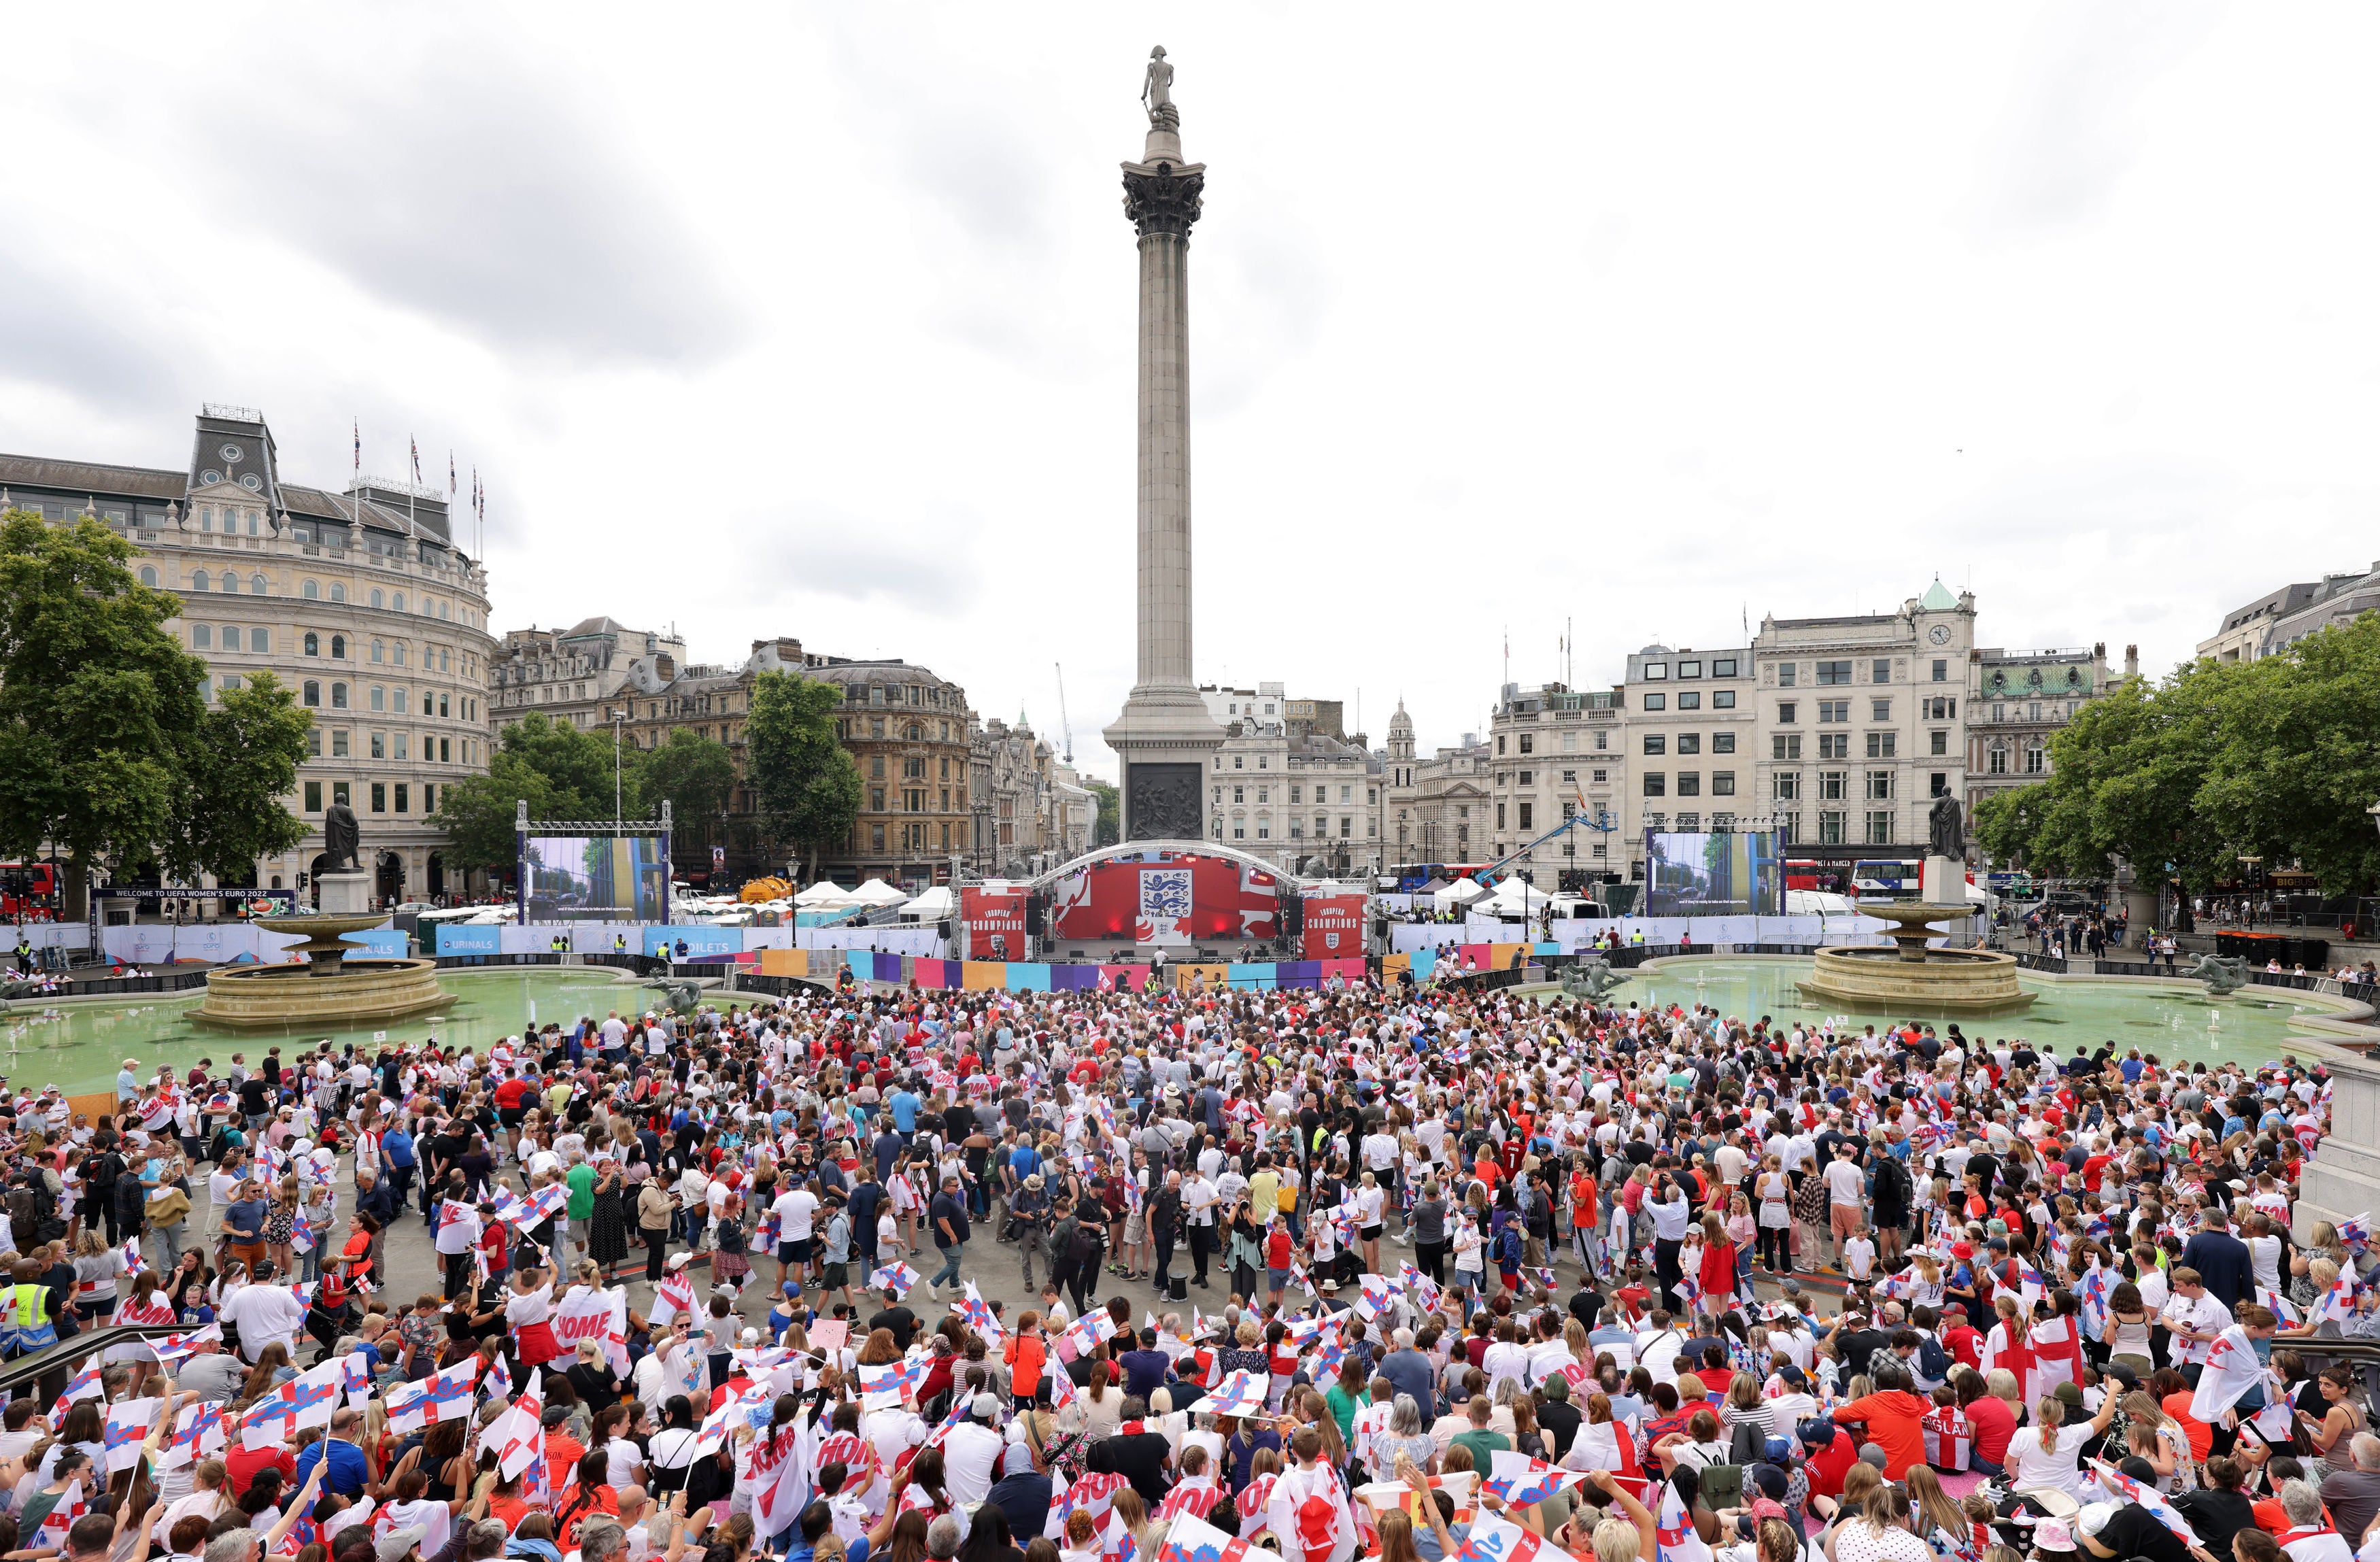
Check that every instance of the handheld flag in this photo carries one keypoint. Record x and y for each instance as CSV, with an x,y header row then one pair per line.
x,y
2121,1487
1524,1482
899,1278
1241,1394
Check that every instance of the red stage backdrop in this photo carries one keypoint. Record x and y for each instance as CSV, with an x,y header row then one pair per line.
x,y
1168,898
1334,927
990,914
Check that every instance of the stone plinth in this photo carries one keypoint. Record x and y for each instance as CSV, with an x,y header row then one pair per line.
x,y
1942,882
2344,1178
343,894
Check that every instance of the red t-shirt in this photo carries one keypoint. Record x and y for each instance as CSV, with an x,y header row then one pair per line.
x,y
1995,1423
241,1464
1277,1250
509,1093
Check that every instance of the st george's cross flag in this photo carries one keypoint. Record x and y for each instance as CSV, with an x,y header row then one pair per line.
x,y
1493,1540
2121,1487
1523,1481
1191,1539
1674,1539
1241,1394
2230,1370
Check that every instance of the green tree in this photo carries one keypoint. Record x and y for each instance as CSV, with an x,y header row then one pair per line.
x,y
696,774
477,812
806,782
2298,760
100,707
1108,829
563,771
237,770
2008,825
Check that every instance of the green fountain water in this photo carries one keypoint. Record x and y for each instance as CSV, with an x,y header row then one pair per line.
x,y
2255,1025
80,1046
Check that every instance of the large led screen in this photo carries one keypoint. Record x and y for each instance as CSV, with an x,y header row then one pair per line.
x,y
1734,874
594,879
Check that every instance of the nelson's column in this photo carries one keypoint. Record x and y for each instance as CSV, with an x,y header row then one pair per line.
x,y
1164,739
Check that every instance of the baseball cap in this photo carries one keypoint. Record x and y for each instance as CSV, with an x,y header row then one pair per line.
x,y
985,1407
396,1545
2093,1518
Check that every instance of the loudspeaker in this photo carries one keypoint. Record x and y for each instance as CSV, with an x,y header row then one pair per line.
x,y
1292,916
1380,928
1033,916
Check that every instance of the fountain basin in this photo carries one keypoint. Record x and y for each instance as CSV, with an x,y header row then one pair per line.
x,y
295,998
1868,977
1909,977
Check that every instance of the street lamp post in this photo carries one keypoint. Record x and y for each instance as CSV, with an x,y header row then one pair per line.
x,y
615,771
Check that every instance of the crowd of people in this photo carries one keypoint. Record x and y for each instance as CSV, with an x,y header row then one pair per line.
x,y
1550,1265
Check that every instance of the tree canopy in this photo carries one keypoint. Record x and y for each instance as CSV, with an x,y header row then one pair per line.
x,y
564,772
2277,759
107,746
806,782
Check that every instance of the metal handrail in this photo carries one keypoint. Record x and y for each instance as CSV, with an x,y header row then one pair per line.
x,y
61,1358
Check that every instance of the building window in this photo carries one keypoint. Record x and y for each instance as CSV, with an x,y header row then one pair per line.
x,y
1784,746
378,797
1832,785
1655,784
311,692
1528,815
1938,709
2036,759
1722,699
1690,700
1722,784
1941,742
203,636
1834,710
876,835
1996,761
1690,743
1723,667
1786,674
1528,743
1654,672
314,742
1834,672
1722,742
313,797
1602,740
1879,828
1880,671
1690,670
1656,702
1830,827
1787,712
1690,783
1880,744
1941,784
1834,746
1879,786
403,791
1656,742
148,574
339,744
1879,710
1942,671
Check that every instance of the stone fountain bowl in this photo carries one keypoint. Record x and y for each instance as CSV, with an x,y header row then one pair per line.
x,y
1911,978
337,986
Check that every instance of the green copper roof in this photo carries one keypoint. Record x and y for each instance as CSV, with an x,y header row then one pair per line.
x,y
1938,597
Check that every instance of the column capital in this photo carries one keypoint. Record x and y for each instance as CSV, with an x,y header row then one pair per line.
x,y
1163,196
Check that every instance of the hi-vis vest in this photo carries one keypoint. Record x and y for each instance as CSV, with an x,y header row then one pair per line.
x,y
18,1304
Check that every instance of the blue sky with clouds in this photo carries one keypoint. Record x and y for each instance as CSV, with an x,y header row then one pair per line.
x,y
819,321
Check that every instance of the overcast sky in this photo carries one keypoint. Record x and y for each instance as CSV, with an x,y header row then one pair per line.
x,y
819,321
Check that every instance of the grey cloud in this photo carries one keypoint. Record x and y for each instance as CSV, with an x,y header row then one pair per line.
x,y
2070,134
481,199
823,552
62,340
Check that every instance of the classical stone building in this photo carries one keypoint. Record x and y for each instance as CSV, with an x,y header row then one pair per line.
x,y
2274,622
1688,730
1558,753
582,675
1032,811
2017,701
1860,726
1436,809
363,603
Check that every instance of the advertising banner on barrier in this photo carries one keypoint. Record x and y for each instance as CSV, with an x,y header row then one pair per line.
x,y
700,944
994,915
605,938
458,938
383,943
1334,927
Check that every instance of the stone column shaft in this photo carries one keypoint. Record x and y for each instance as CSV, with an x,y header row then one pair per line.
x,y
1164,468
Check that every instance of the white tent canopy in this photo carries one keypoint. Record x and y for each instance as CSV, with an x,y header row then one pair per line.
x,y
876,893
1461,892
823,895
931,906
1516,895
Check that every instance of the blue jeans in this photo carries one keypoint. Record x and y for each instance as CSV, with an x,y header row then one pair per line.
x,y
949,1273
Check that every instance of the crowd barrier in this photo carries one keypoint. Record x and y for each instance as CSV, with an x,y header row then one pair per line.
x,y
662,940
46,934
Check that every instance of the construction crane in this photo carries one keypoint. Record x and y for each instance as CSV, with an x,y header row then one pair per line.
x,y
1065,728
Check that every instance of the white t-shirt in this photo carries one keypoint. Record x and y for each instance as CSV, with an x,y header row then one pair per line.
x,y
2040,1457
794,1211
1845,1185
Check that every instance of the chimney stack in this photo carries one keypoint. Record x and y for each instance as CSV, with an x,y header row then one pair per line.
x,y
2131,661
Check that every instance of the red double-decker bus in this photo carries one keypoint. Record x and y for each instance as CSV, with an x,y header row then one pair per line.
x,y
29,891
